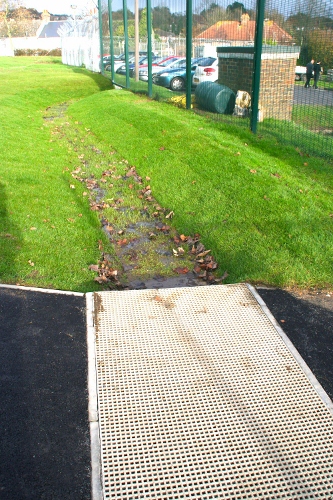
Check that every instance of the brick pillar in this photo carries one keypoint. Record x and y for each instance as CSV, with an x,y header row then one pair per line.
x,y
276,79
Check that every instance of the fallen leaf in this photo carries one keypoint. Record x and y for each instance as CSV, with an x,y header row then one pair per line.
x,y
170,215
94,267
162,148
253,171
202,254
183,237
122,242
31,263
158,298
33,229
101,279
181,270
237,154
224,276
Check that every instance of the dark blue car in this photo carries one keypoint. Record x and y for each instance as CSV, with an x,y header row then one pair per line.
x,y
175,78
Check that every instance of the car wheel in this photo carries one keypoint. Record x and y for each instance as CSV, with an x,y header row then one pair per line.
x,y
177,83
303,78
297,78
107,67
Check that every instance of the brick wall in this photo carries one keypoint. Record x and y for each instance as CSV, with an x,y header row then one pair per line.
x,y
276,82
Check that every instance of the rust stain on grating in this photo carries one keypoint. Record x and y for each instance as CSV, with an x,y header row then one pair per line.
x,y
200,398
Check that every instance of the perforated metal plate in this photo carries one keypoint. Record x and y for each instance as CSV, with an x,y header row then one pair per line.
x,y
200,398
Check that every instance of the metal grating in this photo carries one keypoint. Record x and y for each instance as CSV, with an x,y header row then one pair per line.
x,y
200,398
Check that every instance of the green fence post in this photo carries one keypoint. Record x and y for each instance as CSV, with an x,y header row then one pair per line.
x,y
126,42
101,46
111,38
188,53
149,49
257,63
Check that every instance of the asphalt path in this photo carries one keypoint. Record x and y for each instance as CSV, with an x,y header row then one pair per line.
x,y
313,97
45,442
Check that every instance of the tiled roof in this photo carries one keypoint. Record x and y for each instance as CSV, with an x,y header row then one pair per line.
x,y
236,31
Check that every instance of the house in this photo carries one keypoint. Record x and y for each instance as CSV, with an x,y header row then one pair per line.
x,y
48,28
243,33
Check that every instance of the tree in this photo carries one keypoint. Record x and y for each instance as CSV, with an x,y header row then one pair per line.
x,y
235,11
320,46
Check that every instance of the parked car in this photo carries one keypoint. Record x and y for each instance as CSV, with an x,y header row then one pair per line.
x,y
167,62
175,78
120,60
207,72
131,67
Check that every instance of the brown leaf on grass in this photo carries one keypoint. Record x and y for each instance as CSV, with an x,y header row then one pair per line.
x,y
170,215
183,237
101,279
181,270
94,267
109,228
253,171
200,248
162,148
211,266
33,228
122,242
163,228
203,254
224,276
158,298
31,263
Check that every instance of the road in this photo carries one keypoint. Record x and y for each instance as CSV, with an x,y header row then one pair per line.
x,y
314,97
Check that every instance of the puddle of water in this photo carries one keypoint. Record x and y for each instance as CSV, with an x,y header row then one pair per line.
x,y
187,280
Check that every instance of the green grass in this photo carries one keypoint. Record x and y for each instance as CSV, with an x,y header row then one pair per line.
x,y
48,235
273,225
264,210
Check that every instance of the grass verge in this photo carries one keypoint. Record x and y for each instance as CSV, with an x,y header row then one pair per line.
x,y
48,235
266,212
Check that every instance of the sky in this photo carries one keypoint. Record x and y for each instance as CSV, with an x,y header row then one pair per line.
x,y
58,6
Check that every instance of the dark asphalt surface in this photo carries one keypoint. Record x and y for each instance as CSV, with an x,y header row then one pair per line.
x,y
45,443
315,97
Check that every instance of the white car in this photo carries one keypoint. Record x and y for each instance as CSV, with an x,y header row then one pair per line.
x,y
206,73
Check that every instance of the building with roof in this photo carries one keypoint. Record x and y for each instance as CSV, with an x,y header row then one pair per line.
x,y
242,33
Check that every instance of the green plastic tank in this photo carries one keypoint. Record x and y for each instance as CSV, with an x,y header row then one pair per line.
x,y
215,97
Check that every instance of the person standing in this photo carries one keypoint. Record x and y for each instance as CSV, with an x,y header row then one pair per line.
x,y
317,69
309,71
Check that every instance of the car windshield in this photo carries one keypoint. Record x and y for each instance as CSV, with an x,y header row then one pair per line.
x,y
206,61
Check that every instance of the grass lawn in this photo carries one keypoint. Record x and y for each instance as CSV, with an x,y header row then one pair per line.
x,y
265,211
48,235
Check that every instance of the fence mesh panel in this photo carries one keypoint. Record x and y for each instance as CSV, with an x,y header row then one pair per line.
x,y
223,37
